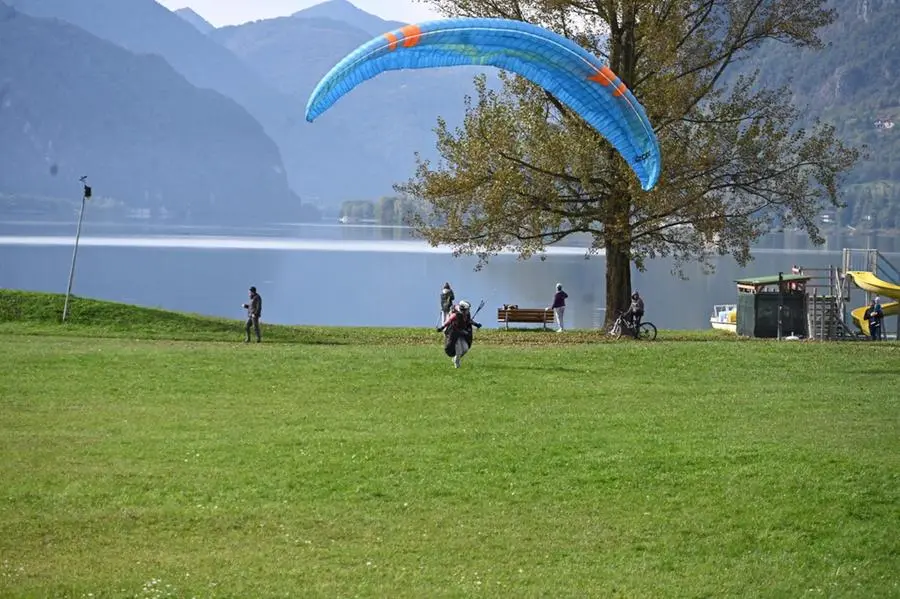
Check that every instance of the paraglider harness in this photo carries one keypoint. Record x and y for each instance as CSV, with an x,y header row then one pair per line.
x,y
459,324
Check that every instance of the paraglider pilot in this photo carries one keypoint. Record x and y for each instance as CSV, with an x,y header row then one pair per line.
x,y
457,331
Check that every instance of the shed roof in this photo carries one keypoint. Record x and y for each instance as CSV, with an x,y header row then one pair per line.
x,y
772,280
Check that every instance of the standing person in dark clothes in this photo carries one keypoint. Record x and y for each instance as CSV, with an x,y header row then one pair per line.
x,y
254,313
875,315
447,299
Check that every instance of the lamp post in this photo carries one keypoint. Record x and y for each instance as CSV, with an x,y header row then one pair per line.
x,y
84,196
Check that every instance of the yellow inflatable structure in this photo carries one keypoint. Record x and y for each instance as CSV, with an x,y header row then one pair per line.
x,y
869,282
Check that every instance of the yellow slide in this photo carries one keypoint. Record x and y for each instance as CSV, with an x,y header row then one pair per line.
x,y
871,283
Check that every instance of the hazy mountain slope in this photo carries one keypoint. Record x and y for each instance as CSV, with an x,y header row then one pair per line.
x,y
854,84
341,10
145,27
72,104
368,139
365,143
201,24
343,159
291,54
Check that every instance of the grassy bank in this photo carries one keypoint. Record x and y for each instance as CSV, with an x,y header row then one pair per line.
x,y
35,313
139,466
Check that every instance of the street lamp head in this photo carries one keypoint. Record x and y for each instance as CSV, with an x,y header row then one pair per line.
x,y
87,188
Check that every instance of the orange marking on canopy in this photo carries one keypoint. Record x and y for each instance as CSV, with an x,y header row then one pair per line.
x,y
604,76
412,34
392,40
620,91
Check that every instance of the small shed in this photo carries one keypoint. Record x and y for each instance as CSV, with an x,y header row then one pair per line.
x,y
758,301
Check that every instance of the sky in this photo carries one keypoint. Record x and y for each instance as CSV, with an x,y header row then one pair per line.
x,y
234,12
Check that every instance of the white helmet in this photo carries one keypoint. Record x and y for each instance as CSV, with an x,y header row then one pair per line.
x,y
464,305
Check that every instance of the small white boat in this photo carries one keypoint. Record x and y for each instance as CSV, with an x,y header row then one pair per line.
x,y
724,317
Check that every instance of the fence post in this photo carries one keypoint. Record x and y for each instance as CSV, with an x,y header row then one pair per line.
x,y
780,301
820,318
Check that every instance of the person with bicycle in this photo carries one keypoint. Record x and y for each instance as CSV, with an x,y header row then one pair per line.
x,y
635,312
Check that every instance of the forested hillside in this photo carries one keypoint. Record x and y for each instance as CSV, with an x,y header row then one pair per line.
x,y
72,104
854,83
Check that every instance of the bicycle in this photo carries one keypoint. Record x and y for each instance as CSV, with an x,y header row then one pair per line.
x,y
646,331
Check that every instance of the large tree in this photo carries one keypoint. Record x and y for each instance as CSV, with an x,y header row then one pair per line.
x,y
524,171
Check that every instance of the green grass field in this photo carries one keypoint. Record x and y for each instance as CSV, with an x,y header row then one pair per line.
x,y
151,454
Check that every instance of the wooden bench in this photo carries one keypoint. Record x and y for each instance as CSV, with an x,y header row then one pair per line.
x,y
508,314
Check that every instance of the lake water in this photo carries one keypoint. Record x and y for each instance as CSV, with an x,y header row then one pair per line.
x,y
347,275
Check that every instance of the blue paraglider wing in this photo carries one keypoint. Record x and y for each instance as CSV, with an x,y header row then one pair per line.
x,y
575,76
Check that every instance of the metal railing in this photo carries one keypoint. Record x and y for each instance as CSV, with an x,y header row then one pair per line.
x,y
885,270
828,292
854,259
872,261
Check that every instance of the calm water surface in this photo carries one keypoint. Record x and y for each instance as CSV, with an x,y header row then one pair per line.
x,y
365,275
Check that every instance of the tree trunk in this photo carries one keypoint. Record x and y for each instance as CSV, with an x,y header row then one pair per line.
x,y
618,279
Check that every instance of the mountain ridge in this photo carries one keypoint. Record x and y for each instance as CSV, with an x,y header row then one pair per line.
x,y
347,12
72,104
366,142
189,15
146,27
375,130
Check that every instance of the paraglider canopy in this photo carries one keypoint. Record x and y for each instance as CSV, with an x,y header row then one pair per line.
x,y
575,76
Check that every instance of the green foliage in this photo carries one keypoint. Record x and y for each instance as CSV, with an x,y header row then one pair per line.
x,y
135,468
